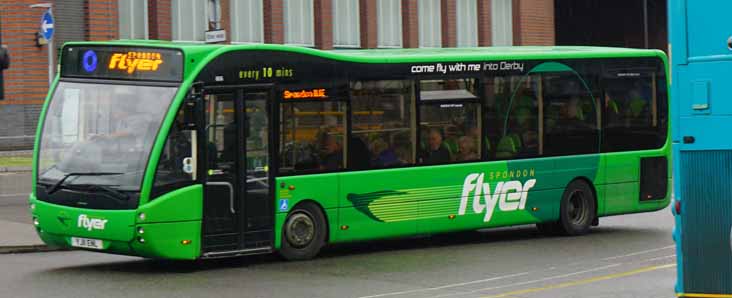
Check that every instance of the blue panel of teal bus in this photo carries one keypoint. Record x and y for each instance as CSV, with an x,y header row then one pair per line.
x,y
701,56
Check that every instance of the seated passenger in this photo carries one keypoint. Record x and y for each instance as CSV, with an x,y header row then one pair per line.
x,y
612,110
302,156
436,153
360,154
467,149
572,117
332,153
451,144
384,156
403,146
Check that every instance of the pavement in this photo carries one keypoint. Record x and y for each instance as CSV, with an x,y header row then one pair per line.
x,y
14,169
17,233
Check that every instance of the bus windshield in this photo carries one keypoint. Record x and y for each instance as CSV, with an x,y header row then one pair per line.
x,y
102,129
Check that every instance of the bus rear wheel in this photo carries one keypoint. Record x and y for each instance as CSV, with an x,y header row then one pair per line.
x,y
576,211
303,233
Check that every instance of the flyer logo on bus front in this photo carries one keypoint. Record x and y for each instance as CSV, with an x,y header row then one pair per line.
x,y
132,62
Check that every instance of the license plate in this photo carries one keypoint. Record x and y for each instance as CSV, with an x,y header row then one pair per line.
x,y
86,243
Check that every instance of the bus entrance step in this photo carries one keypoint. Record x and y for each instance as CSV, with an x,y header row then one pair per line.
x,y
237,253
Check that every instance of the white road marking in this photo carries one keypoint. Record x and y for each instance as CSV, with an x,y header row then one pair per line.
x,y
638,253
659,258
448,285
526,273
533,281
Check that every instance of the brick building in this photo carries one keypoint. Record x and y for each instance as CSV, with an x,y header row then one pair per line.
x,y
323,24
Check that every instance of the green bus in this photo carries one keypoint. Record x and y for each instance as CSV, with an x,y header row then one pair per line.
x,y
190,151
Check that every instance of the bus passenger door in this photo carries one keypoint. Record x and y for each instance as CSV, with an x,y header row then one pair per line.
x,y
237,216
221,230
257,214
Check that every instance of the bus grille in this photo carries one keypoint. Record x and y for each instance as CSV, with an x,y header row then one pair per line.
x,y
706,220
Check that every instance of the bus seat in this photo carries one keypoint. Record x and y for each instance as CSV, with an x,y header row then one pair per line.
x,y
523,115
580,114
526,101
636,107
612,106
507,147
516,140
451,145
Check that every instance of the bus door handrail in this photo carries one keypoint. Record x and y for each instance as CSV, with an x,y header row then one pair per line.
x,y
231,192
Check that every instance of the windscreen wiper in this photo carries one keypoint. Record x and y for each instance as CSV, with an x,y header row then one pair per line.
x,y
116,193
58,184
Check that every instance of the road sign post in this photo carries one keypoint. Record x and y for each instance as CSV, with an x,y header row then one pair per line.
x,y
47,30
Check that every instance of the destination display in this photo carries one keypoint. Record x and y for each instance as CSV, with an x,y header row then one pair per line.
x,y
125,63
305,94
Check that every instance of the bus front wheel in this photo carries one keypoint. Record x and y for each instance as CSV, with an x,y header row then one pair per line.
x,y
576,211
303,233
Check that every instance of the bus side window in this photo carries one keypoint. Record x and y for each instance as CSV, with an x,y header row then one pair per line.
x,y
512,117
221,132
383,124
312,136
172,173
450,121
634,107
570,114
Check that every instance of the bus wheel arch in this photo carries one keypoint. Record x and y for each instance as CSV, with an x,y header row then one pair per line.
x,y
577,210
594,195
304,232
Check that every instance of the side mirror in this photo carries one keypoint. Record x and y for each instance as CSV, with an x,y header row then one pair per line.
x,y
189,115
190,106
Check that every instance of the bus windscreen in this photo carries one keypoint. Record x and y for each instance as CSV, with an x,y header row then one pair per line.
x,y
122,63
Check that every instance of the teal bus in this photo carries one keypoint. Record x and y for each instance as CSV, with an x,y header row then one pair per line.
x,y
190,151
702,113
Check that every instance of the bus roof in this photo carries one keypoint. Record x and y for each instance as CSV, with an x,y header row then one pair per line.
x,y
400,55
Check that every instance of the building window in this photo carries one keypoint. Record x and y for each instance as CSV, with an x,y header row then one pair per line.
x,y
430,24
502,22
389,22
247,21
345,23
467,23
299,22
190,19
132,19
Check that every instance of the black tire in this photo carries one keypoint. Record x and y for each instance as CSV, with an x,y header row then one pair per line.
x,y
303,234
577,210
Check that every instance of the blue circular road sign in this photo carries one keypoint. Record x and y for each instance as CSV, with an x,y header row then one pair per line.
x,y
47,25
